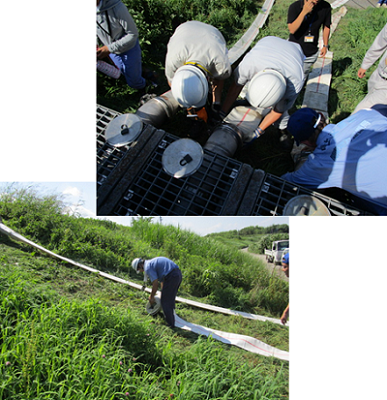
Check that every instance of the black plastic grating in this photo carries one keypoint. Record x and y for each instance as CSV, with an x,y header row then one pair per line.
x,y
276,192
108,156
154,192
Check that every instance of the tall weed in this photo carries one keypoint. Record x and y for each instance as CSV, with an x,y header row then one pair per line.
x,y
86,350
208,266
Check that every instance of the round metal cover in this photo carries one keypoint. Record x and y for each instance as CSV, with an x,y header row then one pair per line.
x,y
123,130
182,158
305,205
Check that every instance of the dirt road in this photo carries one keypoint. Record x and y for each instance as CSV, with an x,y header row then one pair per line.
x,y
269,266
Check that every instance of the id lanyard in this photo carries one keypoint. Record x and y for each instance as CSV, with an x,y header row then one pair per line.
x,y
309,38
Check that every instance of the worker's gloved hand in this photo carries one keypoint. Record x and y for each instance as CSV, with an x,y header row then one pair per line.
x,y
252,136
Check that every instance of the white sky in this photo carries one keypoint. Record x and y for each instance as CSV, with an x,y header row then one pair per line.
x,y
48,135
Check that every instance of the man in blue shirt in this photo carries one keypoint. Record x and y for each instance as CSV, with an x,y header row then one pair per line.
x,y
285,269
165,271
351,155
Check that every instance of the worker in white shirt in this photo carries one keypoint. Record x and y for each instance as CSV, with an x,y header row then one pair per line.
x,y
197,57
377,83
273,71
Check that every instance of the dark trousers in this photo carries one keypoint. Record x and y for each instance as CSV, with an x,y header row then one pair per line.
x,y
168,295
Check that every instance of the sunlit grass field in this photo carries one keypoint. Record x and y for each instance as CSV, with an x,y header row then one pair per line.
x,y
67,333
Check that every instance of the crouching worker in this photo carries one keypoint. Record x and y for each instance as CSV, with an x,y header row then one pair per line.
x,y
117,31
165,271
351,155
197,57
273,73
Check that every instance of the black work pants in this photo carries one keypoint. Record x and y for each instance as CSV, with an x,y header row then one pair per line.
x,y
168,295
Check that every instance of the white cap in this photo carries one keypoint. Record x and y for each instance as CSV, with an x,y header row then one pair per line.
x,y
135,263
190,87
266,88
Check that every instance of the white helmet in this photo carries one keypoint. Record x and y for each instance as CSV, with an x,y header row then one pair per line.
x,y
190,87
266,88
135,263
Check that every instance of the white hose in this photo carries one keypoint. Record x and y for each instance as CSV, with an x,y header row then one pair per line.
x,y
245,342
241,46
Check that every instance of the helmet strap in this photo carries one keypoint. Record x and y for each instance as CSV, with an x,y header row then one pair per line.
x,y
205,70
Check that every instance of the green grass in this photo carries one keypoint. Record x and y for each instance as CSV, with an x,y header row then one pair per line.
x,y
353,37
257,239
93,340
208,265
66,333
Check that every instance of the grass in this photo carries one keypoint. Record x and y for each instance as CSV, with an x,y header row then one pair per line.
x,y
255,238
66,333
209,267
95,341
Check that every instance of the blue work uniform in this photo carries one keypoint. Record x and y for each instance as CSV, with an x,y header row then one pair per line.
x,y
285,259
168,272
351,155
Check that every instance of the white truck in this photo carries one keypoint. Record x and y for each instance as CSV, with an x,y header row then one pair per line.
x,y
278,249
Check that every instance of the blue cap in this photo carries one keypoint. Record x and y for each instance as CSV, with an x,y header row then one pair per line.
x,y
382,108
302,123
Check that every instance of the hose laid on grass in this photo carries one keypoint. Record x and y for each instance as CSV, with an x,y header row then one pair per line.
x,y
241,46
245,342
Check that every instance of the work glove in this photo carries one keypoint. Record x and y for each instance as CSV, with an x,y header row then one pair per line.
x,y
252,136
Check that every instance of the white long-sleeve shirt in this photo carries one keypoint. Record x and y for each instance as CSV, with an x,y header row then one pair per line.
x,y
200,43
278,54
375,51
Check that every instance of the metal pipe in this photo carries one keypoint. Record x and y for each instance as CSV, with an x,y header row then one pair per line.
x,y
237,128
158,110
225,140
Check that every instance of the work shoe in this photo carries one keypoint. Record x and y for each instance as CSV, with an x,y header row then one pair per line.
x,y
150,77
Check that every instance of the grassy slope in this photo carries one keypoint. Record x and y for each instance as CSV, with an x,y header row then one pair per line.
x,y
257,239
67,333
74,329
